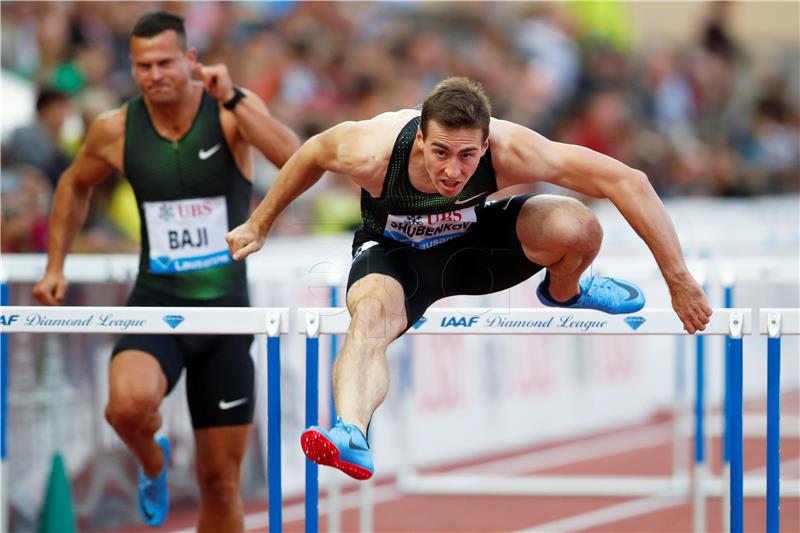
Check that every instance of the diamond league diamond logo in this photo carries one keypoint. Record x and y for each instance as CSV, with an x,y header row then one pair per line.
x,y
634,321
419,322
173,321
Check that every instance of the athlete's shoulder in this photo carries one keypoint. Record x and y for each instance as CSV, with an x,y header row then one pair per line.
x,y
375,134
107,129
402,115
109,125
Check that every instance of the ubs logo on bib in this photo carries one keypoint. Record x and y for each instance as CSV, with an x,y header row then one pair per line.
x,y
427,231
187,235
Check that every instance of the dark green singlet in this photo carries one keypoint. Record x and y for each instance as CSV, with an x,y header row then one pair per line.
x,y
399,198
199,165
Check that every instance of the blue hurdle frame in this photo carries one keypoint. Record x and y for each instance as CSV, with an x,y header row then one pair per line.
x,y
3,408
773,421
275,490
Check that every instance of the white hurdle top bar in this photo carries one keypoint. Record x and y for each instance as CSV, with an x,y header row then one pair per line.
x,y
541,321
164,320
777,322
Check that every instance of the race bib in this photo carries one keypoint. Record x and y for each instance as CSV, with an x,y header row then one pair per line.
x,y
426,231
187,235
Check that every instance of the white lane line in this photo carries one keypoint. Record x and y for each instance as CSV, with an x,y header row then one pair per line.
x,y
609,514
585,450
351,500
593,448
628,509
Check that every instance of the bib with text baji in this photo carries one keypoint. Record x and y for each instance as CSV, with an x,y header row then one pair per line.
x,y
427,231
187,235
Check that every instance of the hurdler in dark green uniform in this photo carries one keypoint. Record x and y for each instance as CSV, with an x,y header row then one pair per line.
x,y
409,208
198,166
437,246
183,184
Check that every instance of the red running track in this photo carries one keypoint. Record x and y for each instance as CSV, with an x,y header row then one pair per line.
x,y
640,450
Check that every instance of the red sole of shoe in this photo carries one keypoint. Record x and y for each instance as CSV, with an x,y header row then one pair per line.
x,y
323,452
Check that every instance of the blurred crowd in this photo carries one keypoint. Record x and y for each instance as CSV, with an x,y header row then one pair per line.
x,y
694,116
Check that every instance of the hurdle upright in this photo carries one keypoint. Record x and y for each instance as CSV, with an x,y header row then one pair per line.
x,y
734,323
272,322
775,323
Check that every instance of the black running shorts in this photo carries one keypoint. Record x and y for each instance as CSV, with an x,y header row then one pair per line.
x,y
489,258
220,386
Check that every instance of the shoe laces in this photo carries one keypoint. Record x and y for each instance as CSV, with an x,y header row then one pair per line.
x,y
151,487
602,290
349,427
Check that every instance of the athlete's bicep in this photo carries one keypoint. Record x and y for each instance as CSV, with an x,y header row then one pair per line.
x,y
93,164
520,155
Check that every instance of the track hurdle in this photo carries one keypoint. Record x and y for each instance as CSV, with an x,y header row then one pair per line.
x,y
735,323
272,322
775,323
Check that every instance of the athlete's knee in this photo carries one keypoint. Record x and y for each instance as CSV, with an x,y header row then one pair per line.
x,y
587,233
131,410
219,486
575,226
375,318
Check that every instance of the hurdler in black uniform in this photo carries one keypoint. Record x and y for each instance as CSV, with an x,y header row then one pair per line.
x,y
186,192
437,246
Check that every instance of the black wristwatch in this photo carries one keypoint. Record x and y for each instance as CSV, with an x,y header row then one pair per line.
x,y
238,94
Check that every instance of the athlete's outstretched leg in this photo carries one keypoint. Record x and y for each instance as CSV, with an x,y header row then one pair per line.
x,y
360,375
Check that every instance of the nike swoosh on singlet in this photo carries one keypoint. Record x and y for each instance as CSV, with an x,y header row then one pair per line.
x,y
632,292
459,202
230,405
205,154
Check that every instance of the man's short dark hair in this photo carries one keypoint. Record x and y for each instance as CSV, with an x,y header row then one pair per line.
x,y
152,24
48,96
457,103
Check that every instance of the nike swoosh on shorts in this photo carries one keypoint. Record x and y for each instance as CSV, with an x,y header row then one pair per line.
x,y
230,405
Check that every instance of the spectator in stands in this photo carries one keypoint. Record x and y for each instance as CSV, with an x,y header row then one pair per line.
x,y
37,144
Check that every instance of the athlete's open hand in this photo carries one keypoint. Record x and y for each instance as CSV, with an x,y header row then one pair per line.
x,y
216,79
50,290
244,240
690,303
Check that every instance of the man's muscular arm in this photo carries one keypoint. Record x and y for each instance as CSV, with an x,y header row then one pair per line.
x,y
523,156
71,202
343,149
253,120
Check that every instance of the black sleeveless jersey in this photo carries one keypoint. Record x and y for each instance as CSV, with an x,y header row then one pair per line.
x,y
418,219
189,193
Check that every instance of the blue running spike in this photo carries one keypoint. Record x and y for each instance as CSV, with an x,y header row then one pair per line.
x,y
609,295
153,494
343,447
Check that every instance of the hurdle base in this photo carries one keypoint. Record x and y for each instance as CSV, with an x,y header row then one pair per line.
x,y
462,484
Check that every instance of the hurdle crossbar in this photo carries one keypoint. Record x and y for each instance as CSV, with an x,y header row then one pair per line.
x,y
313,322
272,322
538,321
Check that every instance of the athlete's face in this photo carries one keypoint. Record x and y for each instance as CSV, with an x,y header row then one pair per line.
x,y
161,67
451,156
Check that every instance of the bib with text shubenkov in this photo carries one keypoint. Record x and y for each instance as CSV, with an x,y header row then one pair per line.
x,y
187,235
428,230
